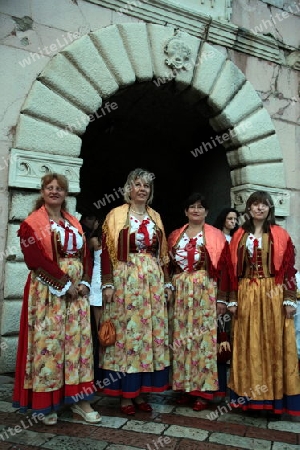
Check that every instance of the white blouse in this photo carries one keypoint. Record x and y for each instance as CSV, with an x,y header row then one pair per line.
x,y
181,250
139,237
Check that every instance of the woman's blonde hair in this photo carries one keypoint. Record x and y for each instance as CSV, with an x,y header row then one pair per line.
x,y
45,180
144,175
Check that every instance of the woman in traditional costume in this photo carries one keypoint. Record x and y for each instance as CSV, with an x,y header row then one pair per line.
x,y
136,289
201,267
55,358
264,373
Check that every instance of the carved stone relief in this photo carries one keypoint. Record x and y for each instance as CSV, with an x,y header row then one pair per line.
x,y
27,168
293,60
178,53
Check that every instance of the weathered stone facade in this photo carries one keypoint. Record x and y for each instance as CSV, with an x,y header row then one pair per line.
x,y
62,59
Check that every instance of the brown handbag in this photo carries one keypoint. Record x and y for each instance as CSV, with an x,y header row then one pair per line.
x,y
107,333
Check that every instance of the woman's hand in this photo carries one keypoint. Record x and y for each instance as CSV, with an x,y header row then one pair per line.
x,y
108,294
83,290
168,294
72,292
290,311
233,311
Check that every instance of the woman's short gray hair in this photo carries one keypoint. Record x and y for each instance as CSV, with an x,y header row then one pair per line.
x,y
145,176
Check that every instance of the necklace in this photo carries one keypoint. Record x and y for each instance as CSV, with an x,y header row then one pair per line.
x,y
138,213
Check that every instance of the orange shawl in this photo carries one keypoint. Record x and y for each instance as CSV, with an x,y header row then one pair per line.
x,y
280,239
214,241
39,222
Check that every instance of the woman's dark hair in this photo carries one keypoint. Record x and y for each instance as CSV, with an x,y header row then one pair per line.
x,y
46,179
98,231
220,220
259,197
194,198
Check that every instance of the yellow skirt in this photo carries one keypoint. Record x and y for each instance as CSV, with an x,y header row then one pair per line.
x,y
264,362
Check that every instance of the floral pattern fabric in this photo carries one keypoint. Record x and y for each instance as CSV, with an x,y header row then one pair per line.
x,y
59,335
194,340
139,313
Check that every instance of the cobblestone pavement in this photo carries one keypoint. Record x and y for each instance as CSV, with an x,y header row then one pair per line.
x,y
168,427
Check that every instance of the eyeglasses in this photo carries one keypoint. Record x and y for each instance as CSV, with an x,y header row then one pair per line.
x,y
53,188
196,207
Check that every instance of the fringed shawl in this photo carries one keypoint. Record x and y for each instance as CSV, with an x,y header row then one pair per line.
x,y
39,222
282,250
116,220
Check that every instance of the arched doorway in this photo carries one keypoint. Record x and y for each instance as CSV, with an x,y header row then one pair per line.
x,y
158,129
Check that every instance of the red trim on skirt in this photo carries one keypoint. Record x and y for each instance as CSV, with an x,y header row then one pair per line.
x,y
41,401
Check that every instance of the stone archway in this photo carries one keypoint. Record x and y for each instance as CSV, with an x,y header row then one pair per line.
x,y
76,81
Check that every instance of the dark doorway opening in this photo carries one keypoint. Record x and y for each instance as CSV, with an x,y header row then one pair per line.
x,y
159,129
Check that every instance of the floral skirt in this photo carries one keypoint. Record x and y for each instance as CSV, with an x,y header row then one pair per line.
x,y
55,355
194,342
139,313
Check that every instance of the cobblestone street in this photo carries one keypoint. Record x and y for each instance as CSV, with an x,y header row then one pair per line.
x,y
168,427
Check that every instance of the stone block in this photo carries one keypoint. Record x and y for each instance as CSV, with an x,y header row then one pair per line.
x,y
257,126
61,112
15,82
271,174
282,109
13,249
39,136
4,163
15,277
210,64
60,14
16,8
95,16
245,102
111,47
289,138
61,75
8,353
10,317
85,55
27,169
264,150
135,39
229,81
4,200
22,203
7,28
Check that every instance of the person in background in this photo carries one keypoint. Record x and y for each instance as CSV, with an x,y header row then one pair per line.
x,y
55,358
201,278
95,246
136,289
88,224
264,370
227,222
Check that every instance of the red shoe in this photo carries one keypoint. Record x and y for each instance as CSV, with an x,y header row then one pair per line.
x,y
184,399
128,409
199,405
143,406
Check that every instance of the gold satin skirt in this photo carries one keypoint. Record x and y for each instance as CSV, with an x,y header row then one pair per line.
x,y
264,363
